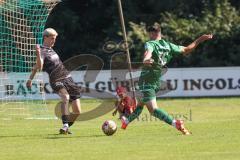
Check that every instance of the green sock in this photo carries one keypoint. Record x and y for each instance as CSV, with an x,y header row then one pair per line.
x,y
162,115
135,113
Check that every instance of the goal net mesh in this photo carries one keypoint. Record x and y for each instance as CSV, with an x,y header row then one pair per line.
x,y
21,25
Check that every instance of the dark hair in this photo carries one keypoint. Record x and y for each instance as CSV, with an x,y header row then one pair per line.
x,y
154,28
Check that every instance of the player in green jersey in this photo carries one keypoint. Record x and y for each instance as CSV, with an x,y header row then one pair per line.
x,y
158,53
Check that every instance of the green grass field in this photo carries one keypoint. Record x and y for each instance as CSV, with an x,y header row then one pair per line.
x,y
213,121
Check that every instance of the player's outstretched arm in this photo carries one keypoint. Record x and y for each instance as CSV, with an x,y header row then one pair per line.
x,y
36,67
34,71
194,44
116,108
39,60
114,112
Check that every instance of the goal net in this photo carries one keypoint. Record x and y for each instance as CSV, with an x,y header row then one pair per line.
x,y
21,25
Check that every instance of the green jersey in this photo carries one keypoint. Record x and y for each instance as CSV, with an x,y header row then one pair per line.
x,y
162,53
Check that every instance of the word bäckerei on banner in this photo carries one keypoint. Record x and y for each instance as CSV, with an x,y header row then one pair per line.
x,y
176,82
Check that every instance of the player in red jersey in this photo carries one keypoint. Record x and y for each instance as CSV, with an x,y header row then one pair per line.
x,y
125,104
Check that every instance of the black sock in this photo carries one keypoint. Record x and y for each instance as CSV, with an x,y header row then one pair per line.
x,y
70,123
64,119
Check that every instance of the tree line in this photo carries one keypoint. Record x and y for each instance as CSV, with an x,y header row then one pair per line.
x,y
93,27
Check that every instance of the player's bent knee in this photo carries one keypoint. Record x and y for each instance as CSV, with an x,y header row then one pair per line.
x,y
77,113
65,98
152,110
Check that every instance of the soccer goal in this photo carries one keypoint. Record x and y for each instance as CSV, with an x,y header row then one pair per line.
x,y
21,25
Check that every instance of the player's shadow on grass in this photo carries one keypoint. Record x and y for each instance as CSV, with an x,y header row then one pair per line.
x,y
51,136
14,136
37,136
60,136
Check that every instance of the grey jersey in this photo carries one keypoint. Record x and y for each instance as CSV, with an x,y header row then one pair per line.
x,y
53,65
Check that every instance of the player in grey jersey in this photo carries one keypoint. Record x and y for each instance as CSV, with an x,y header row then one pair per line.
x,y
59,78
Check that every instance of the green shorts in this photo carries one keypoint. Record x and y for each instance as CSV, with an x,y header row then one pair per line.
x,y
149,85
148,92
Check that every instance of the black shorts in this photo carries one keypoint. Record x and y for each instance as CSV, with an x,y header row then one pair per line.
x,y
72,88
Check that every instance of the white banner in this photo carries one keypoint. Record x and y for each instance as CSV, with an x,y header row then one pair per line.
x,y
181,82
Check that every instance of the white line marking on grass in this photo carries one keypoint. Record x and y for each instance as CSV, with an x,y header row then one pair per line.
x,y
19,114
6,119
16,108
41,118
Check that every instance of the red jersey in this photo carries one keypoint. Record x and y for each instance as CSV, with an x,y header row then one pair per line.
x,y
127,104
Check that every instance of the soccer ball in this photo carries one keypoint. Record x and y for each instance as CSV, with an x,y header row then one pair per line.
x,y
109,127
